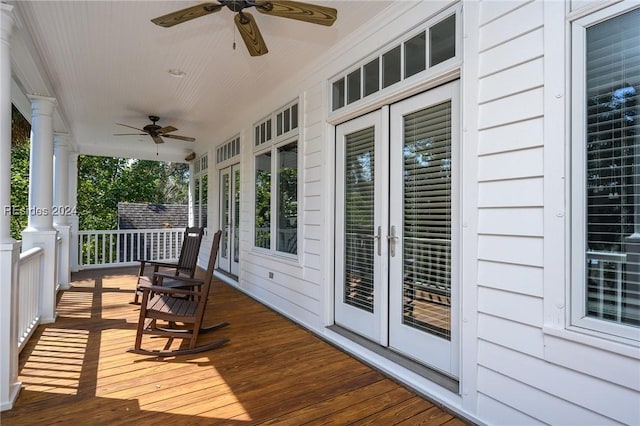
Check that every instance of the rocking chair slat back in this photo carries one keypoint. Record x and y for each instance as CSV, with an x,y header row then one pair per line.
x,y
189,251
186,265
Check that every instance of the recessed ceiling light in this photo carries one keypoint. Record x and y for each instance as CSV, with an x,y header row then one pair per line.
x,y
177,73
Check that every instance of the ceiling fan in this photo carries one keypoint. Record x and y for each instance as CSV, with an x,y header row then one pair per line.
x,y
156,132
247,26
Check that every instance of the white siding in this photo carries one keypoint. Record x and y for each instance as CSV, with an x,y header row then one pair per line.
x,y
506,348
516,382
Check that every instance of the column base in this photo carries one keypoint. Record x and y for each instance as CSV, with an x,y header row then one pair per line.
x,y
64,270
9,270
14,391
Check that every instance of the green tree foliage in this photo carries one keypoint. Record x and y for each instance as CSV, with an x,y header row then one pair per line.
x,y
105,181
20,133
102,183
19,188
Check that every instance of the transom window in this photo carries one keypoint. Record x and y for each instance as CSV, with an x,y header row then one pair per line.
x,y
422,50
228,150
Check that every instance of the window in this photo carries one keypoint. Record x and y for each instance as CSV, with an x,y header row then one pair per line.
x,y
228,150
276,184
263,200
435,41
606,173
263,132
287,205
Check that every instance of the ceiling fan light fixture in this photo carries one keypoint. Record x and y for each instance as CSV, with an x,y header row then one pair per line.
x,y
177,73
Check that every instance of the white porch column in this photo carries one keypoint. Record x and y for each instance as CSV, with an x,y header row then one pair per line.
x,y
40,231
62,210
9,248
73,203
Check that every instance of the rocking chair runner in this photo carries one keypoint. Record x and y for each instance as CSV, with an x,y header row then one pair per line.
x,y
186,265
178,299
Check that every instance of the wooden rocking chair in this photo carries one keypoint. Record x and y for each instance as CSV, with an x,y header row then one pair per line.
x,y
178,300
186,265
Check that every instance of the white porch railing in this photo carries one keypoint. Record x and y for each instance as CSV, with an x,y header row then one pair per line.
x,y
31,265
606,275
99,249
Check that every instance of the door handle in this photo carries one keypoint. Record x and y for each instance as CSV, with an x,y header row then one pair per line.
x,y
392,237
378,238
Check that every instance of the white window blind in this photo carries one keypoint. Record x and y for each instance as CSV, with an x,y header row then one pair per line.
x,y
427,219
613,170
359,205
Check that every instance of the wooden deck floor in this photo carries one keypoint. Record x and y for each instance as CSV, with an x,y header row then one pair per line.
x,y
77,371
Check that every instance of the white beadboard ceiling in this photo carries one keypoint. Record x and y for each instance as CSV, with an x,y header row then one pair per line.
x,y
106,63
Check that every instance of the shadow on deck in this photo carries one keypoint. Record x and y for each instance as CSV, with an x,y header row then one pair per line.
x,y
77,370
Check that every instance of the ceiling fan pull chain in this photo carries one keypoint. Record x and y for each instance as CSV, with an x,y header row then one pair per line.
x,y
234,38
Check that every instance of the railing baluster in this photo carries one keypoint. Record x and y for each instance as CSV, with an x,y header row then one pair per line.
x,y
121,247
30,264
598,263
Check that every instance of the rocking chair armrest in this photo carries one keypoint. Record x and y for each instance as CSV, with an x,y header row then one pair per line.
x,y
169,290
156,265
160,264
188,281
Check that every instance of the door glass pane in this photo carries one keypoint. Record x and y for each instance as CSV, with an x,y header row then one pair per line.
x,y
203,202
236,216
427,220
613,170
224,242
359,203
196,203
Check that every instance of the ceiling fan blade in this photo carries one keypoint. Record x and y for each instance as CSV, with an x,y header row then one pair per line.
x,y
167,129
156,138
306,12
131,127
184,15
129,134
182,138
250,33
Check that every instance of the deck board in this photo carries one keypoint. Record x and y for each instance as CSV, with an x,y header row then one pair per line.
x,y
273,372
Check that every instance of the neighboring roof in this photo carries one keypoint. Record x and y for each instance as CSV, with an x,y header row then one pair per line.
x,y
152,216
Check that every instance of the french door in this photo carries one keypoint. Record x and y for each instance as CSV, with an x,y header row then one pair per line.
x,y
397,240
228,259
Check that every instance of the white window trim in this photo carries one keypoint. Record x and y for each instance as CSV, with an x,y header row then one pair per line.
x,y
578,349
272,146
274,201
577,315
562,340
